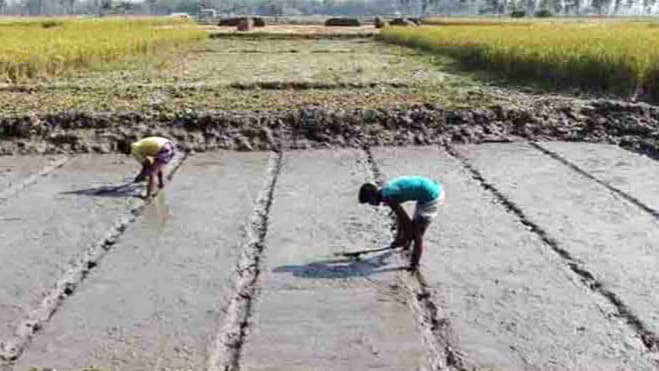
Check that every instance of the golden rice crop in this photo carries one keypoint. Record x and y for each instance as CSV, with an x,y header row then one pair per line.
x,y
620,57
49,47
447,21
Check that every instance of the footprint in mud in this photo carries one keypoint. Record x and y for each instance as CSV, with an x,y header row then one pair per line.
x,y
341,268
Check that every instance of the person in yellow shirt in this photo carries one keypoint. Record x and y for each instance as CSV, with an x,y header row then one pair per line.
x,y
153,153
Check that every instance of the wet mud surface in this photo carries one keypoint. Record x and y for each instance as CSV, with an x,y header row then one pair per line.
x,y
511,301
537,260
636,175
613,238
155,301
321,311
15,169
48,224
20,172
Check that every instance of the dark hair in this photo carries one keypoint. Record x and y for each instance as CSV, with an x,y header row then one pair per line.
x,y
367,192
123,146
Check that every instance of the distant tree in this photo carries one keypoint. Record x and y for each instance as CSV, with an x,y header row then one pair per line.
x,y
189,7
105,7
530,6
35,7
152,6
68,5
577,7
405,5
425,4
275,9
123,7
3,5
599,6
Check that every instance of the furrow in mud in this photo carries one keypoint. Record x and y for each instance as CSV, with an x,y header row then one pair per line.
x,y
13,189
65,286
436,327
649,338
617,191
226,348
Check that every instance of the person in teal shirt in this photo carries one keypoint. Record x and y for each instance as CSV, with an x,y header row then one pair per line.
x,y
428,195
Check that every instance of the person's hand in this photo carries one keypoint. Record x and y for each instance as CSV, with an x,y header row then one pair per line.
x,y
401,242
140,177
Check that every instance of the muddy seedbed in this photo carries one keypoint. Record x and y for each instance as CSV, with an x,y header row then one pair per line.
x,y
633,126
237,262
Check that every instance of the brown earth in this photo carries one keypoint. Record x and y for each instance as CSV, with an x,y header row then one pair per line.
x,y
301,30
633,126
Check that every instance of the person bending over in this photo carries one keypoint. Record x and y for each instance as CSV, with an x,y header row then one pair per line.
x,y
428,195
153,153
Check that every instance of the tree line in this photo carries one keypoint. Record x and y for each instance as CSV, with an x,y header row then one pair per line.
x,y
331,7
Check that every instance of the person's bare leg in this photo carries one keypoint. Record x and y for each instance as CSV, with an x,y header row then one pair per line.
x,y
400,232
151,186
404,234
419,227
152,173
403,224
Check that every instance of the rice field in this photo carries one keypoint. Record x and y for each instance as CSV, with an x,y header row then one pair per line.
x,y
617,57
45,48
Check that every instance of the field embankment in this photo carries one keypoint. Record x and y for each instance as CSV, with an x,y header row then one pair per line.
x,y
46,48
633,126
620,58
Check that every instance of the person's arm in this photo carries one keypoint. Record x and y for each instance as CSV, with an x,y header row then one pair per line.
x,y
404,223
143,172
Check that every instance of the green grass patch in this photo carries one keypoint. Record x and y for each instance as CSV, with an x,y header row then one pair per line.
x,y
290,62
236,74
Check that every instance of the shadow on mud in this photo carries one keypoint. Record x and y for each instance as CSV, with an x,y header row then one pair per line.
x,y
341,268
122,190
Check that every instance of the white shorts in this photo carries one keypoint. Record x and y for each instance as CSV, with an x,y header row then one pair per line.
x,y
427,211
